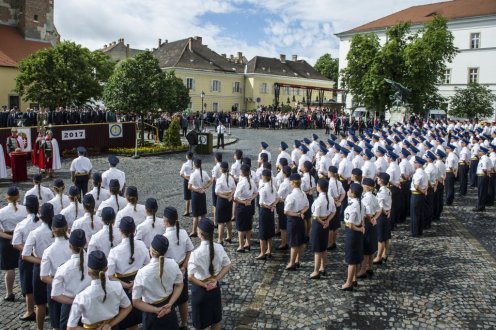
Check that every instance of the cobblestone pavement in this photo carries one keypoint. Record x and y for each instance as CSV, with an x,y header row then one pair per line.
x,y
446,279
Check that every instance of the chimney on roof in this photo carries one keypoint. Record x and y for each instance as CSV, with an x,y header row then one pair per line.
x,y
232,57
197,38
122,40
190,44
295,58
127,51
166,41
159,42
105,46
224,55
240,56
283,58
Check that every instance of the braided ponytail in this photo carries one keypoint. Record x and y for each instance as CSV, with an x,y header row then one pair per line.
x,y
14,203
201,172
111,234
101,275
212,253
131,245
153,222
98,187
117,201
81,261
271,185
161,269
39,191
177,231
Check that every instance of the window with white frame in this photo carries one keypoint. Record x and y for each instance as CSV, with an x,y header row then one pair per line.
x,y
475,40
264,88
215,85
236,87
473,75
190,83
215,106
447,76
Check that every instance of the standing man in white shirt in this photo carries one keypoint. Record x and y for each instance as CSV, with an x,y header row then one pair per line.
x,y
221,130
81,170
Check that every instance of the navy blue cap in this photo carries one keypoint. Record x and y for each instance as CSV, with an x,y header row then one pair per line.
x,y
284,145
12,191
354,138
415,141
295,177
333,169
419,160
350,143
356,172
113,160
245,168
304,148
384,177
151,204
492,146
46,210
324,149
32,202
77,238
308,165
160,243
97,177
170,213
297,143
264,145
283,161
368,153
127,224
368,182
286,170
206,225
357,189
97,260
430,155
59,221
392,155
81,150
428,144
357,149
333,137
331,142
88,199
440,153
37,178
108,213
114,183
389,148
483,149
267,173
324,184
132,191
315,136
414,149
224,165
59,183
344,151
405,152
450,146
342,134
74,191
307,141
381,150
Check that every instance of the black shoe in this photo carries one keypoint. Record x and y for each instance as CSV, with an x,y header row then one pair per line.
x,y
11,298
355,284
297,265
183,327
228,240
385,259
269,255
186,214
364,275
370,272
240,250
278,233
292,268
193,235
332,247
283,248
377,262
315,277
350,288
247,248
323,273
264,257
31,317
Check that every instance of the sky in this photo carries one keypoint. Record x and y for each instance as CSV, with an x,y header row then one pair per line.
x,y
255,27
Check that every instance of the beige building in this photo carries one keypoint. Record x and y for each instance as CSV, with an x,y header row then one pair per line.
x,y
118,50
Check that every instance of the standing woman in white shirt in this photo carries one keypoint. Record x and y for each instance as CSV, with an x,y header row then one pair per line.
x,y
53,257
199,181
180,250
124,261
216,173
156,295
108,236
38,240
90,223
75,209
245,193
132,209
102,305
282,193
43,194
71,277
225,186
10,216
236,166
207,266
338,194
323,210
185,172
308,186
21,232
266,227
295,206
115,201
60,200
99,194
147,230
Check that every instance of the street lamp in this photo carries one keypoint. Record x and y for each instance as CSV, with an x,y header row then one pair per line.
x,y
202,95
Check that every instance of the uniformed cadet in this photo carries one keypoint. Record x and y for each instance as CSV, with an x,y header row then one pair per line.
x,y
81,170
283,153
90,223
114,201
185,172
323,210
38,240
482,172
432,176
474,162
368,167
406,171
132,208
491,189
21,232
463,166
295,155
384,225
60,200
74,210
53,257
99,194
394,186
309,187
295,207
225,186
113,173
372,208
353,219
314,145
303,158
338,194
441,176
310,152
265,151
216,173
108,236
283,192
147,230
124,261
324,162
452,166
71,277
267,202
357,161
43,194
180,251
381,164
207,266
199,182
245,193
157,287
10,216
420,183
236,166
103,304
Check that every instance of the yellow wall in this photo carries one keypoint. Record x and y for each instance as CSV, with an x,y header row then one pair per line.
x,y
7,87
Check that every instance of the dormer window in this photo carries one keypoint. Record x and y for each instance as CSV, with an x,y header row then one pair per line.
x,y
35,18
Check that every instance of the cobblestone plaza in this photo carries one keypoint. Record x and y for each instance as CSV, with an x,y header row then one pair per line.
x,y
446,279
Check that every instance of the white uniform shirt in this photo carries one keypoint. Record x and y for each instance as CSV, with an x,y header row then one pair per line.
x,y
465,155
186,168
452,162
384,198
243,191
54,256
84,223
112,202
138,215
104,195
335,189
295,157
320,207
394,173
38,241
283,154
199,261
344,169
216,173
119,257
357,162
303,159
221,129
70,213
406,169
113,174
225,184
420,179
269,157
296,201
371,203
267,193
381,165
150,287
89,304
236,169
177,251
441,170
81,165
484,164
368,169
23,228
323,166
353,213
146,231
45,193
432,173
307,182
67,279
9,217
198,181
101,240
59,203
284,189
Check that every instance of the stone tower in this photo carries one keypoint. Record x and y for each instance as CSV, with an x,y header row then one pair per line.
x,y
33,18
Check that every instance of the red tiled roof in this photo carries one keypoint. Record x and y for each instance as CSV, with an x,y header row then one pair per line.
x,y
15,48
455,9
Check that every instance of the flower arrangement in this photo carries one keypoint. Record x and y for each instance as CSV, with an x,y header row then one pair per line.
x,y
148,150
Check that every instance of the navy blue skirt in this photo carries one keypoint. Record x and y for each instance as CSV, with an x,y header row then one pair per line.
x,y
168,321
198,204
335,222
223,210
296,231
244,217
39,287
353,247
53,309
214,196
9,256
206,306
183,298
369,239
65,310
283,219
266,226
26,276
186,191
383,228
135,316
308,213
319,237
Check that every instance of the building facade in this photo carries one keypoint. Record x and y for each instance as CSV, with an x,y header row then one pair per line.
x,y
473,25
119,50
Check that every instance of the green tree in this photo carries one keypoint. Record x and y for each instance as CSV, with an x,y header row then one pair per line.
x,y
176,97
475,101
65,75
172,136
328,67
137,86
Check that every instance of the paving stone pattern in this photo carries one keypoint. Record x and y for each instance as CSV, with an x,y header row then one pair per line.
x,y
446,279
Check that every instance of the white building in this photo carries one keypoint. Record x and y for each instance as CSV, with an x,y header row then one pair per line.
x,y
473,24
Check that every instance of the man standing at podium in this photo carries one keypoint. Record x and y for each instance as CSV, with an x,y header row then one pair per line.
x,y
221,130
13,143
